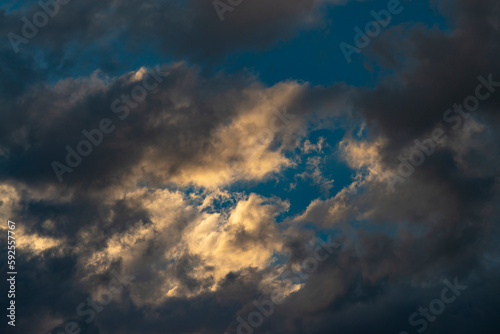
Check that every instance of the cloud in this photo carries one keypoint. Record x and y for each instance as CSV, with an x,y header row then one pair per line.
x,y
159,198
191,30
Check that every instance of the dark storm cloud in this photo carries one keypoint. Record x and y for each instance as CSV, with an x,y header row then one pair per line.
x,y
53,121
454,188
386,308
183,28
439,69
457,185
445,213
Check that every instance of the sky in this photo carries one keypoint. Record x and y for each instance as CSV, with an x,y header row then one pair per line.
x,y
250,166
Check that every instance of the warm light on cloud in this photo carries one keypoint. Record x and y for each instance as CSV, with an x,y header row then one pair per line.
x,y
363,155
9,201
243,150
34,244
245,237
248,238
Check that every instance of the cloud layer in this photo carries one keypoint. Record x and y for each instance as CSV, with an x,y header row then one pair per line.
x,y
176,194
